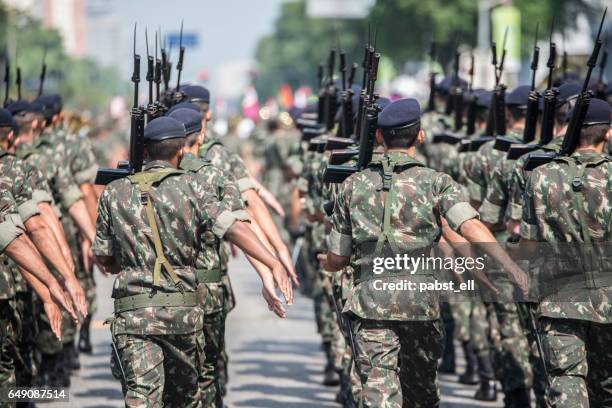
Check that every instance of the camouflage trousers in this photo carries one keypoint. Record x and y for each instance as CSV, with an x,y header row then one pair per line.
x,y
214,335
510,348
480,329
397,362
578,361
461,316
324,317
161,370
8,345
26,340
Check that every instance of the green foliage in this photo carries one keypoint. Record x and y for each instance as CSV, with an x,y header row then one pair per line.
x,y
82,82
405,29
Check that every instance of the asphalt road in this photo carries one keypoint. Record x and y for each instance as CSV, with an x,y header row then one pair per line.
x,y
273,362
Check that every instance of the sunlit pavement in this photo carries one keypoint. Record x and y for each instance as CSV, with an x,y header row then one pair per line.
x,y
273,362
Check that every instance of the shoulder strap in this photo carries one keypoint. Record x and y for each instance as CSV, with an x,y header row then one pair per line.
x,y
145,180
194,164
389,187
207,145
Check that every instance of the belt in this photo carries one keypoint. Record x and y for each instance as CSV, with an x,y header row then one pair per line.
x,y
177,299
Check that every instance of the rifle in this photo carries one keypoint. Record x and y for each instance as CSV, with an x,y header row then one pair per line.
x,y
531,118
457,95
472,100
18,77
550,95
329,98
495,113
166,65
134,164
43,73
600,90
343,127
572,135
7,80
179,65
366,129
431,103
149,78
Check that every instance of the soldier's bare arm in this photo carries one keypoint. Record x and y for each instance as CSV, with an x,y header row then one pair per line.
x,y
50,218
241,235
475,232
44,240
78,212
267,196
257,209
24,253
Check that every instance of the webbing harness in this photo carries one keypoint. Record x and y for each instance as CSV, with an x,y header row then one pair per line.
x,y
577,173
145,181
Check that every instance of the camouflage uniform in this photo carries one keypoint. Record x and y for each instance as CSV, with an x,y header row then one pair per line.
x,y
489,174
11,226
161,349
29,189
576,326
229,163
209,265
82,164
54,166
395,330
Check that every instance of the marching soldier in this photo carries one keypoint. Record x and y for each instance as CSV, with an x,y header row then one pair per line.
x,y
398,335
567,205
153,249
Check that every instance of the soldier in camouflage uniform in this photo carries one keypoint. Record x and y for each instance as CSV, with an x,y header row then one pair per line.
x,y
398,335
81,162
567,204
154,246
489,168
230,163
35,147
208,266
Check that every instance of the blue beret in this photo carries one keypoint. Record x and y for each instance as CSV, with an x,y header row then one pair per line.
x,y
163,128
37,107
519,96
196,93
183,105
6,119
599,113
52,103
444,86
568,91
191,119
400,114
484,99
18,107
383,102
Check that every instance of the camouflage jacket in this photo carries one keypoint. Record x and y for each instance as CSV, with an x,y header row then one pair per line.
x,y
576,224
18,177
419,198
228,162
11,227
481,170
185,210
54,167
519,179
226,190
440,156
79,152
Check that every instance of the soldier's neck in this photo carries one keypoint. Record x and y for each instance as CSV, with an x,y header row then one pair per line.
x,y
598,148
410,151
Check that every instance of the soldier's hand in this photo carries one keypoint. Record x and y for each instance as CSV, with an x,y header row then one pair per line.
x,y
285,258
55,318
77,294
283,283
272,202
58,294
519,277
269,293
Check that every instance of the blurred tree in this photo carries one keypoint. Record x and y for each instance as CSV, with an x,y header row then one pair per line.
x,y
405,31
298,44
83,83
